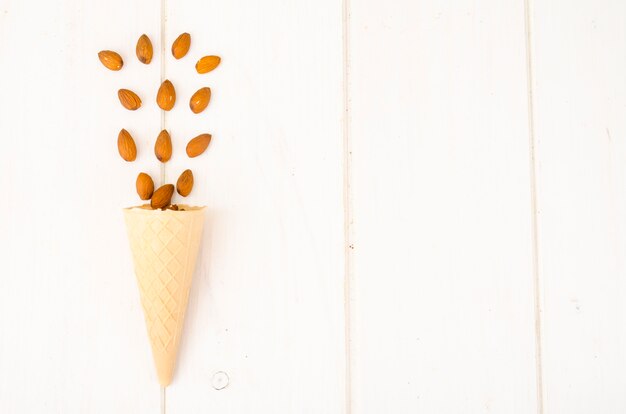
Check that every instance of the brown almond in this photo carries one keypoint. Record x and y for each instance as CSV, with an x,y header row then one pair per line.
x,y
162,197
163,146
126,146
166,96
207,64
145,186
180,47
129,99
198,145
144,49
200,100
110,59
185,183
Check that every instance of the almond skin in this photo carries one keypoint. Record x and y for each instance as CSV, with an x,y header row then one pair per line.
x,y
126,146
166,96
110,59
200,100
162,197
198,145
207,64
185,183
129,99
145,186
163,146
180,47
144,49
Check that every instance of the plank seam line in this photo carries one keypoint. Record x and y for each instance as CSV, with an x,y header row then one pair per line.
x,y
162,73
347,200
162,399
162,27
533,206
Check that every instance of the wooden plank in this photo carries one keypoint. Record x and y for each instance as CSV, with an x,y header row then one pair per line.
x,y
442,287
72,336
267,301
580,101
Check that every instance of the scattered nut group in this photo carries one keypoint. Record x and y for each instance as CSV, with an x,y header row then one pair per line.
x,y
161,198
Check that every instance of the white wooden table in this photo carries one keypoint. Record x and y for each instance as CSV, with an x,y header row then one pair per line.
x,y
414,206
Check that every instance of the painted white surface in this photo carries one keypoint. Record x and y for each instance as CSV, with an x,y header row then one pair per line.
x,y
442,311
580,93
420,204
69,309
267,301
267,304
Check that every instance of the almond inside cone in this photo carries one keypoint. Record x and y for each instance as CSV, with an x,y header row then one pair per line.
x,y
164,245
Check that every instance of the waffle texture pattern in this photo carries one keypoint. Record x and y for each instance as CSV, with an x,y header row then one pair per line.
x,y
164,245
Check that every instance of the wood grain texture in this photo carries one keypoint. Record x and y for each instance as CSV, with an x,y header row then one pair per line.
x,y
72,334
267,304
442,292
580,101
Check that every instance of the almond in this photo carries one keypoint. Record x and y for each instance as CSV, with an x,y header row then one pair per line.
x,y
145,186
126,146
144,49
162,197
185,183
198,145
180,47
166,96
110,59
200,100
129,99
163,146
207,64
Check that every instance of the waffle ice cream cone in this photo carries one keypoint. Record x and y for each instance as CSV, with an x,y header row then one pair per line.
x,y
164,246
